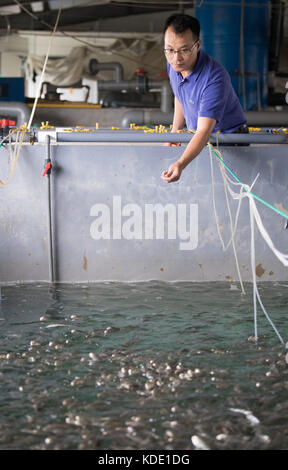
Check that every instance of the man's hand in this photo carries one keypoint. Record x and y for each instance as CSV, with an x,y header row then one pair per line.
x,y
172,144
197,143
173,173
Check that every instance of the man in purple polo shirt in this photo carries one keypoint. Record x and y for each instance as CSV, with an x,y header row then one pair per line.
x,y
204,96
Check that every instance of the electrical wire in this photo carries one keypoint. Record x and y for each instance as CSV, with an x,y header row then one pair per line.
x,y
48,25
185,3
76,38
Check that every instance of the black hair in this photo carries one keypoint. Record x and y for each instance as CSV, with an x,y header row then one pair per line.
x,y
180,23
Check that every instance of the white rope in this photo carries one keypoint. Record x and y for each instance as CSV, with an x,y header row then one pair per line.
x,y
231,226
256,294
213,197
43,70
253,268
23,129
233,229
254,216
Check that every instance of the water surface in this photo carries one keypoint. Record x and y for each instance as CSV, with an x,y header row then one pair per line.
x,y
147,365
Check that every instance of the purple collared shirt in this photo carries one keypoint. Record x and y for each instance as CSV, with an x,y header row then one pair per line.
x,y
207,92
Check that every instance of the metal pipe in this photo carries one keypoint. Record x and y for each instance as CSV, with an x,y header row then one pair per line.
x,y
50,236
254,118
242,59
119,84
258,92
109,136
267,118
127,85
277,13
166,94
141,117
95,67
164,116
133,85
15,109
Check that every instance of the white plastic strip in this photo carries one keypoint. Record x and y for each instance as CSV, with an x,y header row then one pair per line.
x,y
254,216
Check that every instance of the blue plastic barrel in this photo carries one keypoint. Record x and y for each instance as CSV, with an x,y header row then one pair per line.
x,y
12,89
221,39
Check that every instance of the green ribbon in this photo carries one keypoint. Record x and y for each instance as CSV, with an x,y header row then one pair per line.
x,y
278,211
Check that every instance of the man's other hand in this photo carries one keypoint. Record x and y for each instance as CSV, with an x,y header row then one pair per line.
x,y
172,144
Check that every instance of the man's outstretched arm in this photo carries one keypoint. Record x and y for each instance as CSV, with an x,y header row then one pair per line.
x,y
204,128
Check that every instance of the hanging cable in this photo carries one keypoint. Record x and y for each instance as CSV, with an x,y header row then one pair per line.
x,y
82,41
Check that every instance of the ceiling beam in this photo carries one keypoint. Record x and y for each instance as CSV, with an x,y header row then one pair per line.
x,y
74,16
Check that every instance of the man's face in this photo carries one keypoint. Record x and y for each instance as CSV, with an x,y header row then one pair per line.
x,y
183,63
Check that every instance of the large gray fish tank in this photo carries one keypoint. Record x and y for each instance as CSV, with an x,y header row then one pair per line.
x,y
124,323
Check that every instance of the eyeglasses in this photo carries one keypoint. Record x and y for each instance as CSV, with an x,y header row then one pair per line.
x,y
182,52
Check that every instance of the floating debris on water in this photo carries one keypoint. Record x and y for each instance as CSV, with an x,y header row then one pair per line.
x,y
199,443
251,418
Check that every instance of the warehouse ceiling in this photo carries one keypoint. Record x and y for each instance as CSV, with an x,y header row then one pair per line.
x,y
77,15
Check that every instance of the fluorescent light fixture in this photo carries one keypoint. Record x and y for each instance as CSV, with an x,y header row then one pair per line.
x,y
10,10
37,6
55,4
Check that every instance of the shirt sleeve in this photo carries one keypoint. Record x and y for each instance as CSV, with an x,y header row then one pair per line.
x,y
214,98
